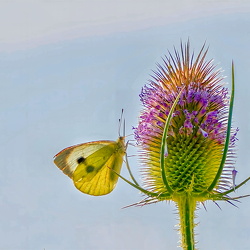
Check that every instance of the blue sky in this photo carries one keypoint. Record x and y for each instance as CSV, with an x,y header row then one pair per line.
x,y
67,70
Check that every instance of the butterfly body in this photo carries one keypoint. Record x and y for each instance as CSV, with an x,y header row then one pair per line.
x,y
93,166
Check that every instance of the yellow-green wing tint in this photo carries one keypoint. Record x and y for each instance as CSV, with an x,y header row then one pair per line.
x,y
67,160
92,165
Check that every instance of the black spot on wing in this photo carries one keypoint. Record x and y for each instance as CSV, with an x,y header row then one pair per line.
x,y
80,160
90,169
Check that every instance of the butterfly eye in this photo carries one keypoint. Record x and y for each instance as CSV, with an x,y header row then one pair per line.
x,y
89,169
80,160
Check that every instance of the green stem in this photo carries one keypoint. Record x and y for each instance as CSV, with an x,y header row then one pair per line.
x,y
186,205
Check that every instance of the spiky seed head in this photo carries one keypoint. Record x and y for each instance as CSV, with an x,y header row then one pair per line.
x,y
197,131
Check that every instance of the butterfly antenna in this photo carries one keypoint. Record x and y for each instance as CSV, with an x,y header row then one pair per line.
x,y
120,122
124,128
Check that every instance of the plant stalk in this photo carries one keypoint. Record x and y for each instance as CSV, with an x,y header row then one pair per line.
x,y
187,205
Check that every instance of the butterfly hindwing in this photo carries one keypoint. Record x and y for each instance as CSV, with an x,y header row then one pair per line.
x,y
91,165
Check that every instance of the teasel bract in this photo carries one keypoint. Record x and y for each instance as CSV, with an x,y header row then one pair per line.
x,y
186,143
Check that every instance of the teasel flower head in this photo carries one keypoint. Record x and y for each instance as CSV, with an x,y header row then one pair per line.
x,y
197,154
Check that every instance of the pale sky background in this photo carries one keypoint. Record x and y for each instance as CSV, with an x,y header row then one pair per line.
x,y
67,68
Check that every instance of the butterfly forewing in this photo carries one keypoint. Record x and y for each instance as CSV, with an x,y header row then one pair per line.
x,y
104,180
68,159
92,165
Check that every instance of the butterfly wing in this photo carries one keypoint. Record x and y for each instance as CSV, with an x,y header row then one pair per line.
x,y
91,165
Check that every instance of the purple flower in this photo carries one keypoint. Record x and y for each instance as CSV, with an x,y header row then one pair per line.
x,y
197,130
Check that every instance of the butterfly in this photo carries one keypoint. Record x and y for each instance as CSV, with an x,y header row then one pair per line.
x,y
93,165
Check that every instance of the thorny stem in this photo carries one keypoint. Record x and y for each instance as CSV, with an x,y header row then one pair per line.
x,y
186,205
